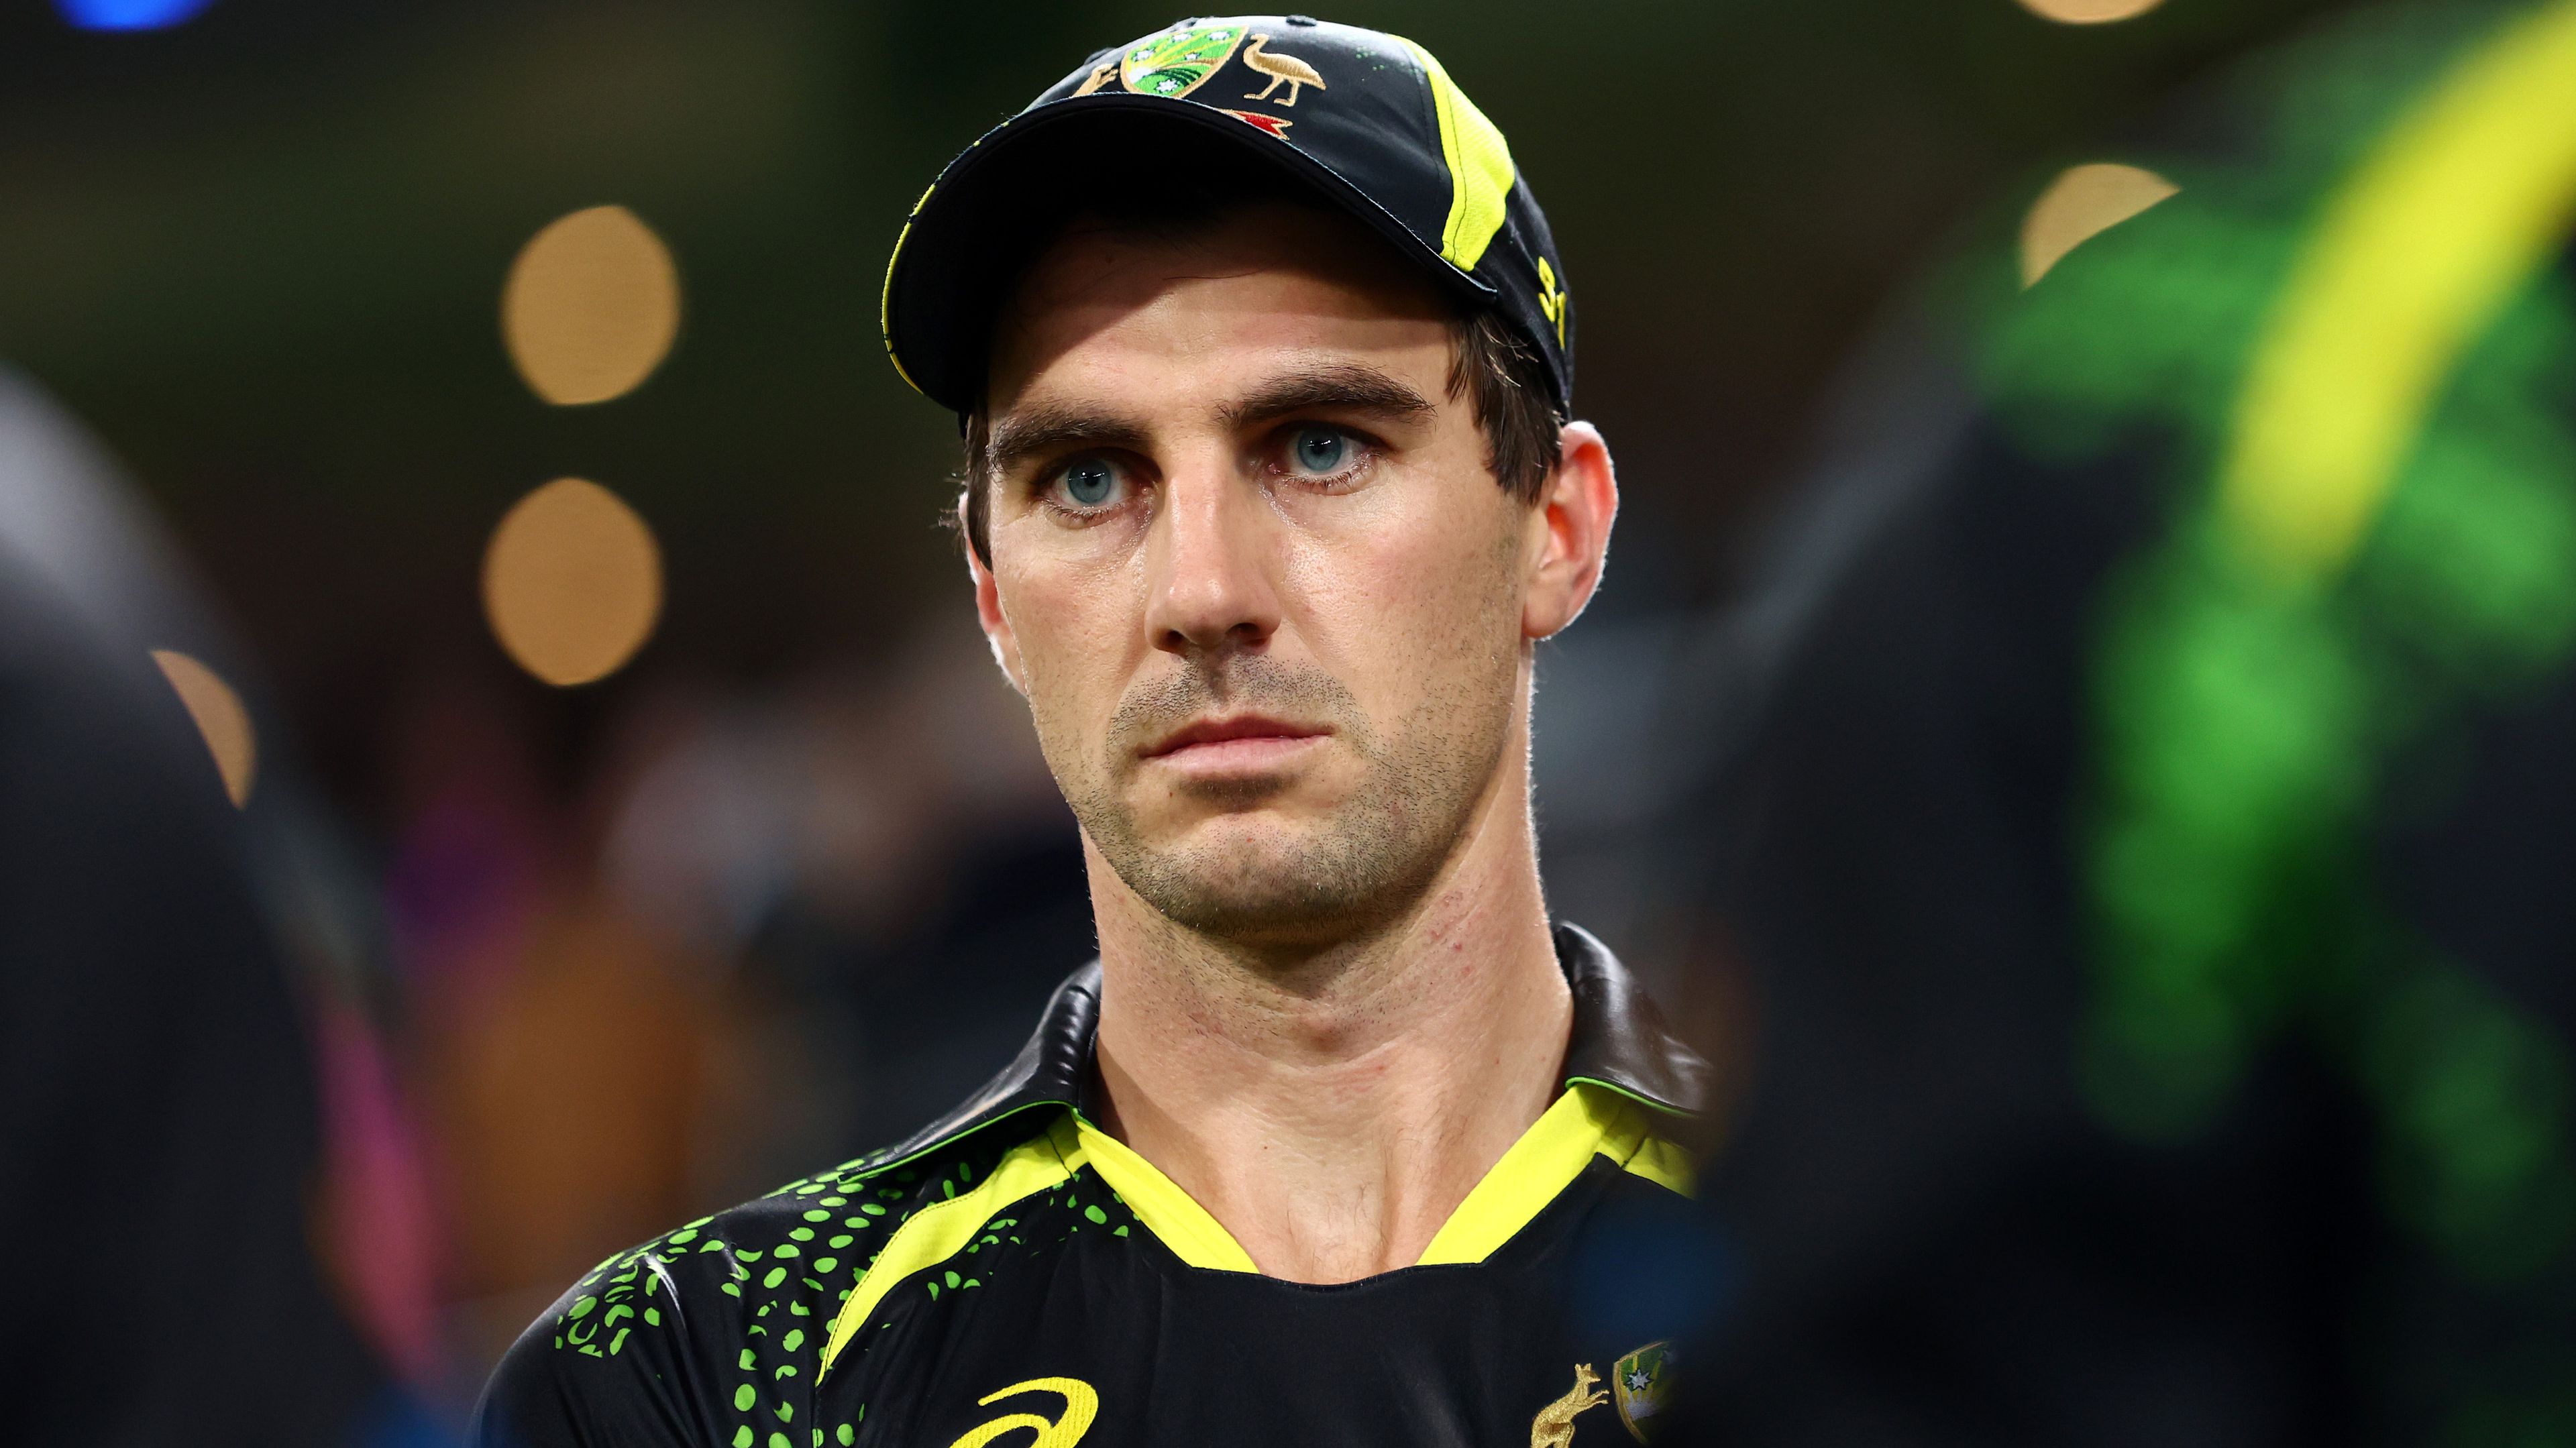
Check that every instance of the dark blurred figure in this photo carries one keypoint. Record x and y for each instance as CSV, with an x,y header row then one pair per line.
x,y
2152,834
161,1159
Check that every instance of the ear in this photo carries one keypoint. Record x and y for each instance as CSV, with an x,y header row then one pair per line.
x,y
997,625
1570,532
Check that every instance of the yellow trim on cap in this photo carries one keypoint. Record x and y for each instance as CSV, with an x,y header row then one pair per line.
x,y
1480,166
885,290
1587,1121
942,1230
1170,1213
2465,201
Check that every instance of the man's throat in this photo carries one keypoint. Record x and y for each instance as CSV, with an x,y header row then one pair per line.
x,y
1334,1139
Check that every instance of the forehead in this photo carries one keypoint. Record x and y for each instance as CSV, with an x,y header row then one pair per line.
x,y
1123,307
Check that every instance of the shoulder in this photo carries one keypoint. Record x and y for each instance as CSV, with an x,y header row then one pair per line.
x,y
714,1332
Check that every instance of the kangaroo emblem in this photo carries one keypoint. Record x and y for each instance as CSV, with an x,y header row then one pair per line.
x,y
1554,1425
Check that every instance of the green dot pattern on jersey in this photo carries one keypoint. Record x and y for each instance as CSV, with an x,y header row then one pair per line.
x,y
643,1286
791,1258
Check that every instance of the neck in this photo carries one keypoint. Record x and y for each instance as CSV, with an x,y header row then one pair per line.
x,y
1332,1106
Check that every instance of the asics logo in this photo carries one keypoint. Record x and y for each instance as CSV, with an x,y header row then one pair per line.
x,y
1081,1405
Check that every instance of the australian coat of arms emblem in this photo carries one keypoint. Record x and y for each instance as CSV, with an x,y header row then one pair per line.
x,y
1641,1384
1178,62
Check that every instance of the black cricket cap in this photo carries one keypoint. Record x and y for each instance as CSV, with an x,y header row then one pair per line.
x,y
1368,122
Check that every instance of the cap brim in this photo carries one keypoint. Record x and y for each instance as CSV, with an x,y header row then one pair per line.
x,y
951,263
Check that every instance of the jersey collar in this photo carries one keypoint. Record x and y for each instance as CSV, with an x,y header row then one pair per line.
x,y
1619,1042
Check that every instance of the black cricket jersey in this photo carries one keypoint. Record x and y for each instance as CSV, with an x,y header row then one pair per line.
x,y
1013,1275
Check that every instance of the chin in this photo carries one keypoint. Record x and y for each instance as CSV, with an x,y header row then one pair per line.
x,y
1245,877
1260,911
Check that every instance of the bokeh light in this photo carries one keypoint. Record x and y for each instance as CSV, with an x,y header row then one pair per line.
x,y
2089,12
219,717
591,306
129,14
572,582
2082,203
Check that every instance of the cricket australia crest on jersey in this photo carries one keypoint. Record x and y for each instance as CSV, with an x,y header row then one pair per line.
x,y
1641,1384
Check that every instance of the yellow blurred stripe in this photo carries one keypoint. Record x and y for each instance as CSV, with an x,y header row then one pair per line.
x,y
2465,200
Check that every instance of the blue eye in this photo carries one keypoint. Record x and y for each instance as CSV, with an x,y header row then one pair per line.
x,y
1089,482
1320,449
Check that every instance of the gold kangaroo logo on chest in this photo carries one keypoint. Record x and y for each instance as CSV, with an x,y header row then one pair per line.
x,y
1554,1425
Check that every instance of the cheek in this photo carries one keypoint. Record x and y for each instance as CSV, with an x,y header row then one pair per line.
x,y
1075,620
1409,593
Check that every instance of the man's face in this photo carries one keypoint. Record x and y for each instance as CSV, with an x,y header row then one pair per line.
x,y
1249,566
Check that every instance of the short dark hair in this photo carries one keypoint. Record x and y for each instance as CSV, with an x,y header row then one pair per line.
x,y
1500,372
1490,365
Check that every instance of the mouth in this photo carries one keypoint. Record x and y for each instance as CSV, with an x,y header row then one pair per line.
x,y
1236,741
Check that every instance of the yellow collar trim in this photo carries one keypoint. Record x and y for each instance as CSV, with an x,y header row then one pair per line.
x,y
941,1231
1168,1212
1587,1121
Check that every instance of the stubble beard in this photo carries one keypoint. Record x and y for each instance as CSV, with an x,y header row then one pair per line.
x,y
1361,864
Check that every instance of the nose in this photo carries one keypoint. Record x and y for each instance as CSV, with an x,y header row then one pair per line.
x,y
1211,591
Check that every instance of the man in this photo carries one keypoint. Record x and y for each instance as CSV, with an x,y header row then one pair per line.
x,y
1268,501
162,950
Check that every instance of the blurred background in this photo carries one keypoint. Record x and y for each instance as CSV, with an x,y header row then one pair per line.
x,y
498,760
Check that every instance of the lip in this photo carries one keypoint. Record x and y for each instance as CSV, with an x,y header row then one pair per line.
x,y
1247,738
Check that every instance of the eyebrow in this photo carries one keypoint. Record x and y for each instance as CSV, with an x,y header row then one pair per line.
x,y
1344,386
1048,427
